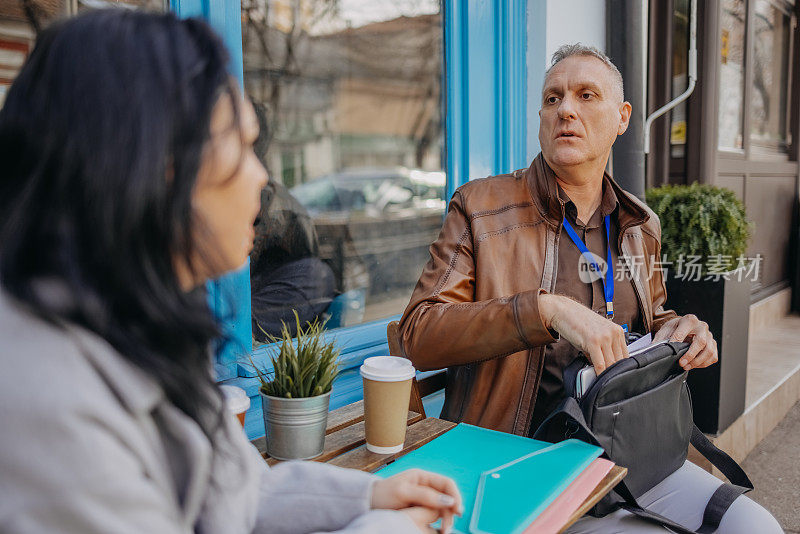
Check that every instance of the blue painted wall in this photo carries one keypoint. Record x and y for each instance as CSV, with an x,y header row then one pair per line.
x,y
486,88
229,298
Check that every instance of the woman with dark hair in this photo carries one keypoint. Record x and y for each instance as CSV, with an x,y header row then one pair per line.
x,y
128,180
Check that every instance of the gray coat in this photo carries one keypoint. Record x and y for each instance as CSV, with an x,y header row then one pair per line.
x,y
90,444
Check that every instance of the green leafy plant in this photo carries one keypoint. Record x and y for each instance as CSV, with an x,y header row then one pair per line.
x,y
701,221
304,366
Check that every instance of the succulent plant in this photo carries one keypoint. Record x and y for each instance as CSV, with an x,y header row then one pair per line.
x,y
303,366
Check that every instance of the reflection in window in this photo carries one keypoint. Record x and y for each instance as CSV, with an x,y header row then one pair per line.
x,y
147,5
768,126
22,20
348,95
680,77
731,80
19,24
13,53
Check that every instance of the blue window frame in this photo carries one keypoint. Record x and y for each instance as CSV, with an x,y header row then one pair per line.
x,y
485,116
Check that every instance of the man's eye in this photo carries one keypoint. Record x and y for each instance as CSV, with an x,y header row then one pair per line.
x,y
587,96
552,99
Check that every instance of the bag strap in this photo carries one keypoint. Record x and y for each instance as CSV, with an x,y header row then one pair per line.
x,y
720,459
720,501
723,498
569,416
631,506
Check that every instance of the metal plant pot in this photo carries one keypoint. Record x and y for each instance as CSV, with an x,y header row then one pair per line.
x,y
295,427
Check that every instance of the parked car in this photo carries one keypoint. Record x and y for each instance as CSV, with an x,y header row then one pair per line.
x,y
375,226
372,191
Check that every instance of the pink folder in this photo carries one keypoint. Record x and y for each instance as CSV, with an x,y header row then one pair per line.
x,y
556,515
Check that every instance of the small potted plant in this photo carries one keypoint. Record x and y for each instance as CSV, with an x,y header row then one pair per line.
x,y
704,235
296,393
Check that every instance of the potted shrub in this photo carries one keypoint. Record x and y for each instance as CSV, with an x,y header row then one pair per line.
x,y
704,235
296,393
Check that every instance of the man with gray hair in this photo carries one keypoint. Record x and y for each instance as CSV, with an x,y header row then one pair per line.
x,y
509,298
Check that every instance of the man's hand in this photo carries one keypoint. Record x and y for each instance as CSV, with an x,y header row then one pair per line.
x,y
703,350
424,496
600,339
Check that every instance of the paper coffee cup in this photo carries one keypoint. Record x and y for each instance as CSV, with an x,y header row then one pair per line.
x,y
236,401
387,390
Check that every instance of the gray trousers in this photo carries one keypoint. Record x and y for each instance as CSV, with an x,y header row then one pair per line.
x,y
682,497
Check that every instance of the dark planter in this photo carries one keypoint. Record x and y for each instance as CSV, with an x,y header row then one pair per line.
x,y
718,392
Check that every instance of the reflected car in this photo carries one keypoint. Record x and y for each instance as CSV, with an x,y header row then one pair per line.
x,y
372,191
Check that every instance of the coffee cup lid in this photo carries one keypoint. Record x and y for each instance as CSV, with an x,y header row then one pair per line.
x,y
387,369
236,399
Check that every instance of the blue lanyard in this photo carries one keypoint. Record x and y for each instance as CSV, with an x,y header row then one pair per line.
x,y
608,284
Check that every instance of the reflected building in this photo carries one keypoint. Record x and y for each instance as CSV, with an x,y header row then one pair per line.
x,y
353,120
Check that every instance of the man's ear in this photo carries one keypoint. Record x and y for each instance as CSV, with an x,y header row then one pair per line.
x,y
624,117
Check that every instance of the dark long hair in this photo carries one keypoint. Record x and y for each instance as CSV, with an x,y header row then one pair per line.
x,y
101,138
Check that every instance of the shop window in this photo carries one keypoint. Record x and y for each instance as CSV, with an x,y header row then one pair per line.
x,y
680,77
348,95
733,14
771,53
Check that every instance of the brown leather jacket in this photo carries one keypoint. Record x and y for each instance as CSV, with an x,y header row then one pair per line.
x,y
475,307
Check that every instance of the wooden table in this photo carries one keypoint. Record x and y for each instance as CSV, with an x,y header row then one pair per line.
x,y
345,447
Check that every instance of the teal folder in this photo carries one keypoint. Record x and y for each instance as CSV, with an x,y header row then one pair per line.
x,y
506,481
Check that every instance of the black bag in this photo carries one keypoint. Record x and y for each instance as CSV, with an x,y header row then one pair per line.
x,y
640,412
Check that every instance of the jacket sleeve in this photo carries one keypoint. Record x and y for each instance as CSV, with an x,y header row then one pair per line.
x,y
306,497
443,325
658,290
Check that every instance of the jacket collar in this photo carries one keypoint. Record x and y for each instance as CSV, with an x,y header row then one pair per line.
x,y
544,191
608,205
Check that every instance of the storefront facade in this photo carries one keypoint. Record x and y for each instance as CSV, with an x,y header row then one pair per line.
x,y
739,128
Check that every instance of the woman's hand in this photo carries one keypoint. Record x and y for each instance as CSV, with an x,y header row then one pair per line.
x,y
424,496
